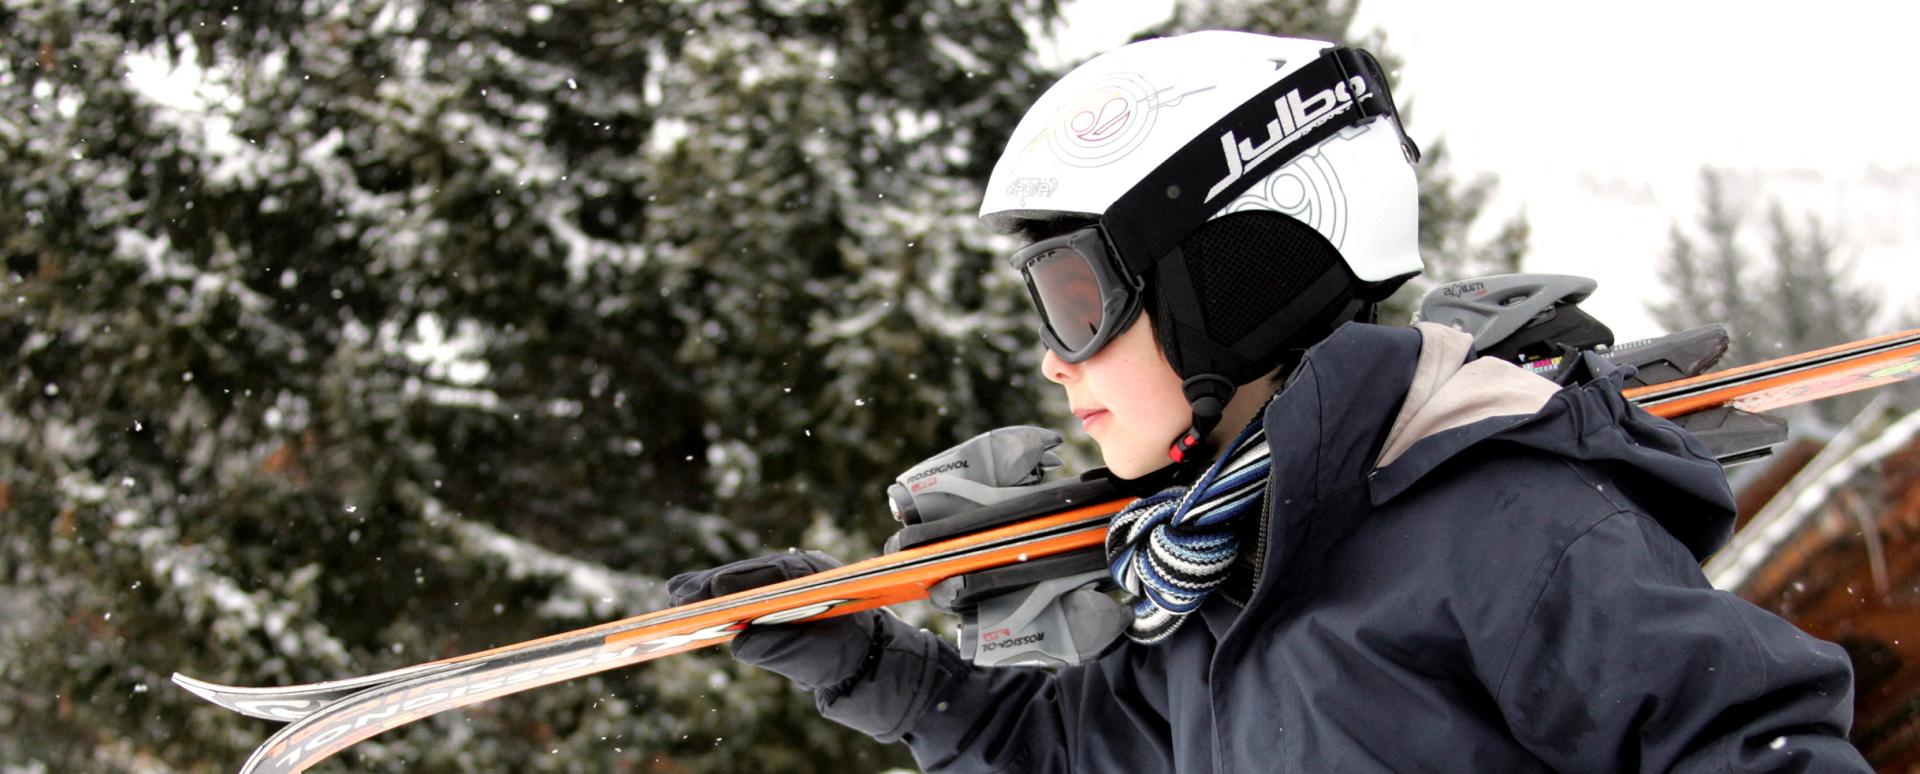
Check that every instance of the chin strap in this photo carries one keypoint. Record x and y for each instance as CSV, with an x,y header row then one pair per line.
x,y
1208,394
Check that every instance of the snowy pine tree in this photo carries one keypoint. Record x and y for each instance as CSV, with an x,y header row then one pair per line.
x,y
1798,296
358,335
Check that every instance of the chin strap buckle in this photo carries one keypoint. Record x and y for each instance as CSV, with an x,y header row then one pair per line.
x,y
1184,446
1208,394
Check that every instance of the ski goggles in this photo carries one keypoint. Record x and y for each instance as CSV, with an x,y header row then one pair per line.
x,y
1083,294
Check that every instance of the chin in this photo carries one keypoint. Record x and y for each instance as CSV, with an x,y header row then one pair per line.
x,y
1134,466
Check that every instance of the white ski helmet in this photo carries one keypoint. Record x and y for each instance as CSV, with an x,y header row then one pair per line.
x,y
1255,191
1114,121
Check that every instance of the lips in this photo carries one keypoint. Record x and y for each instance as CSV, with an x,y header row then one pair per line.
x,y
1088,417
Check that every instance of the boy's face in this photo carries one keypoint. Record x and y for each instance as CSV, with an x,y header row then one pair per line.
x,y
1128,399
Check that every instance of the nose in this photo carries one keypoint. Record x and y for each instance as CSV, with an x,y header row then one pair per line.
x,y
1056,370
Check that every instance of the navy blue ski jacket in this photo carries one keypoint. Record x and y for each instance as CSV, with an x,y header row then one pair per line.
x,y
1520,592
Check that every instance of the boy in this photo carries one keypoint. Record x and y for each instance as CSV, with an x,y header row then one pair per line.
x,y
1359,548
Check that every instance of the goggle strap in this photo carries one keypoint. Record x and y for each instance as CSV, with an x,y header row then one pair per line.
x,y
1344,87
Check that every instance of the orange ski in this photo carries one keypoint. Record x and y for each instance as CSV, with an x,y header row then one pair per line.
x,y
1786,381
432,688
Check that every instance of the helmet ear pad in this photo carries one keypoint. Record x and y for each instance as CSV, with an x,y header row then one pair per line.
x,y
1248,293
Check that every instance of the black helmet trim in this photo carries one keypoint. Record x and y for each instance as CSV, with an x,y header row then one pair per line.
x,y
1343,88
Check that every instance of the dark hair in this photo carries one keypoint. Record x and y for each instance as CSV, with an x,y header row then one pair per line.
x,y
1031,230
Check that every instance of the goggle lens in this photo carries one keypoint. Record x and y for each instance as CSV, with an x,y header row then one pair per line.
x,y
1068,293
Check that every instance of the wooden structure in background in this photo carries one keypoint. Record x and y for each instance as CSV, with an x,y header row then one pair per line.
x,y
1832,543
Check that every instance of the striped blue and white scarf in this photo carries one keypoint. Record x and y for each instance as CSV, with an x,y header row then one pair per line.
x,y
1172,549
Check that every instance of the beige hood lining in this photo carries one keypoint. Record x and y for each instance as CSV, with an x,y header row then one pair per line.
x,y
1449,392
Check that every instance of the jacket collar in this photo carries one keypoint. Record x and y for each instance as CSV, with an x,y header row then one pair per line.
x,y
1324,429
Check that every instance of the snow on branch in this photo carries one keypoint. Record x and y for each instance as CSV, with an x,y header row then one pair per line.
x,y
586,588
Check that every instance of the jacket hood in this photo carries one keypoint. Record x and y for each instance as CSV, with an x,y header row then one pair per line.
x,y
1453,403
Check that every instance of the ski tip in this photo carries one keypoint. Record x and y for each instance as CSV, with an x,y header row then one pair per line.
x,y
249,701
200,688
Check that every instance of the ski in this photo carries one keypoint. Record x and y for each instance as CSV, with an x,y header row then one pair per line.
x,y
1790,380
385,701
327,717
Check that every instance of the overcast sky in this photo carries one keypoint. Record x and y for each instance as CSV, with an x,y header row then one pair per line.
x,y
1596,119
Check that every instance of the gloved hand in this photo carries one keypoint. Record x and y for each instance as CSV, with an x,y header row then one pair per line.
x,y
868,670
829,654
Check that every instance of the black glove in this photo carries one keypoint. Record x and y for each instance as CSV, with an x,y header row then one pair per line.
x,y
867,670
831,654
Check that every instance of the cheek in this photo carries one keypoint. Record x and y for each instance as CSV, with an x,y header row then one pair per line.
x,y
1147,393
1158,410
1149,416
